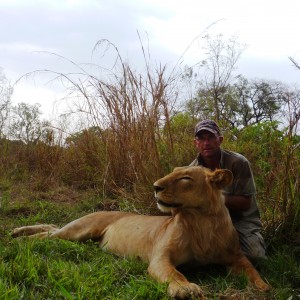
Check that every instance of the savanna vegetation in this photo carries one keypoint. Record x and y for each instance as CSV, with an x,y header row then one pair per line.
x,y
139,126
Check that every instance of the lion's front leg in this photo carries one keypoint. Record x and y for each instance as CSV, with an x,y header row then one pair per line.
x,y
244,266
179,287
34,230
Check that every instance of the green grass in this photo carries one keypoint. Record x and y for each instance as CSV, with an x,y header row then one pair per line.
x,y
57,269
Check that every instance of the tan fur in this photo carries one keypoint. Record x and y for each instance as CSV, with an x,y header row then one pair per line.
x,y
199,230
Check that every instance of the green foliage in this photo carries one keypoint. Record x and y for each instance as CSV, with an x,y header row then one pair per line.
x,y
177,148
85,159
260,142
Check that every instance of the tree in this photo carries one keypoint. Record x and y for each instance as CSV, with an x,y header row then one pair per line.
x,y
218,67
257,100
5,102
244,102
26,124
202,106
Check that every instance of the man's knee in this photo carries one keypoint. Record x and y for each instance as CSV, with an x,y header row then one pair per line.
x,y
253,246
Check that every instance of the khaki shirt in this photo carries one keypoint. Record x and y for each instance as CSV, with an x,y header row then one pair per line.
x,y
243,184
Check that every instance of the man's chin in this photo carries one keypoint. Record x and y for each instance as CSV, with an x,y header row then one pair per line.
x,y
208,153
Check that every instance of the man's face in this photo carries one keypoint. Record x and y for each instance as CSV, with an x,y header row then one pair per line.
x,y
207,143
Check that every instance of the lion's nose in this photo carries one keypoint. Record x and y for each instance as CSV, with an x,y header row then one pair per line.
x,y
158,188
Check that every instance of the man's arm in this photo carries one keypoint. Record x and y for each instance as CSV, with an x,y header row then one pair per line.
x,y
239,197
237,203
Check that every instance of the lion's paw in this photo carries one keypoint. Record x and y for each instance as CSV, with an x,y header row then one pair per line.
x,y
262,286
185,290
17,232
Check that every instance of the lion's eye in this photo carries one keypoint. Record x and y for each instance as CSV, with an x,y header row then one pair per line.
x,y
186,178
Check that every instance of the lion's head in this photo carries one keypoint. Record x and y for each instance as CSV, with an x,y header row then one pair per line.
x,y
191,187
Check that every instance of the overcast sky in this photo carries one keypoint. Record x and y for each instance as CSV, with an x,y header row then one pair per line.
x,y
71,28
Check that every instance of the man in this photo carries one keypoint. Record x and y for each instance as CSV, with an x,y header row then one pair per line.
x,y
240,196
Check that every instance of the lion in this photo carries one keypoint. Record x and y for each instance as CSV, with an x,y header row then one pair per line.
x,y
198,230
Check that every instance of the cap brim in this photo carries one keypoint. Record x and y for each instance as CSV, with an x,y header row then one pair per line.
x,y
207,129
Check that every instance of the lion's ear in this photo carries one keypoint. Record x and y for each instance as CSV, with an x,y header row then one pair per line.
x,y
220,178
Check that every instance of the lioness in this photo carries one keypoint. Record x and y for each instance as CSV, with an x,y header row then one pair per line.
x,y
199,230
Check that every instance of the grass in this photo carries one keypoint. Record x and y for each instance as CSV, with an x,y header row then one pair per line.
x,y
57,269
65,270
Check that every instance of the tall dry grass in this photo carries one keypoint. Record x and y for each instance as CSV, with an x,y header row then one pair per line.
x,y
126,110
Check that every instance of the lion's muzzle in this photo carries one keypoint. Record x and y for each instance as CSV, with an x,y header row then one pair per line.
x,y
158,188
172,205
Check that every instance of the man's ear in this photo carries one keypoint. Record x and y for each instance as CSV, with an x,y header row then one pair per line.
x,y
220,178
195,142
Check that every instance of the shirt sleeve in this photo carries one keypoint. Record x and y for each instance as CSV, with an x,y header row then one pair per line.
x,y
243,182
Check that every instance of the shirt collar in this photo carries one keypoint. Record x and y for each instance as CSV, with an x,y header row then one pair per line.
x,y
221,163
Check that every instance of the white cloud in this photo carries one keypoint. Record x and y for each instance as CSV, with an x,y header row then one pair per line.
x,y
71,28
49,98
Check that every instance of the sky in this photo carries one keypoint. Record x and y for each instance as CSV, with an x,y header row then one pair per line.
x,y
32,29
